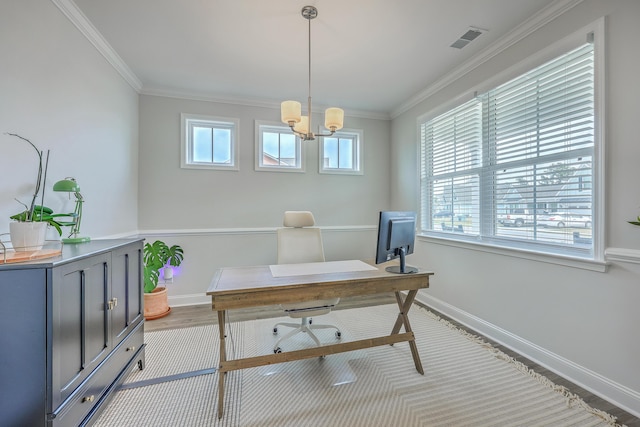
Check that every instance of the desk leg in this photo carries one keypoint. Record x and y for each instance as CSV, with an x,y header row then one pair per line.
x,y
403,319
223,358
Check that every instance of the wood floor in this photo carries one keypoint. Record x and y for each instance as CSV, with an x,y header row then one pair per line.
x,y
182,317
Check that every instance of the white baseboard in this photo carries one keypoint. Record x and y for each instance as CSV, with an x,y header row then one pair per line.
x,y
621,396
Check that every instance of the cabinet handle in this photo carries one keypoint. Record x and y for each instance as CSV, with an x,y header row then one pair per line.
x,y
88,398
112,303
132,348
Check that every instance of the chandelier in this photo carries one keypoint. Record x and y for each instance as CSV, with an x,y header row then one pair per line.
x,y
291,111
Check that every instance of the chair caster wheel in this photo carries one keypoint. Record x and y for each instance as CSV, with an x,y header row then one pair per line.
x,y
338,334
277,350
310,320
275,331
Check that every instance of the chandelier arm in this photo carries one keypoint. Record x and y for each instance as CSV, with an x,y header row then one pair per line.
x,y
302,135
326,134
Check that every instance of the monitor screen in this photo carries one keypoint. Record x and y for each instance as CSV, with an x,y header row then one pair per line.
x,y
396,236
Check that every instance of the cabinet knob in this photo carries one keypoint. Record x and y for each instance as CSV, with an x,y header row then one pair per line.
x,y
132,348
88,398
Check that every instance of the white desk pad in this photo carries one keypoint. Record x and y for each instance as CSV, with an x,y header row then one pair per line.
x,y
308,268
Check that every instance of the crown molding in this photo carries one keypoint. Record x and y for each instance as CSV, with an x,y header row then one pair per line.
x,y
532,24
75,15
546,15
232,100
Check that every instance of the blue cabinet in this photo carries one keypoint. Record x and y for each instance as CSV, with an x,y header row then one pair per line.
x,y
72,328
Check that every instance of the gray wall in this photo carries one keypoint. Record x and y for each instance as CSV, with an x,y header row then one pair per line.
x,y
227,218
59,92
581,323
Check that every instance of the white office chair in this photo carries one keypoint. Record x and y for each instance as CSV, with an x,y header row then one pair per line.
x,y
300,242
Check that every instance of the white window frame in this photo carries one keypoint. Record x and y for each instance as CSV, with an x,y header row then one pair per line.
x,y
356,135
188,121
595,260
267,126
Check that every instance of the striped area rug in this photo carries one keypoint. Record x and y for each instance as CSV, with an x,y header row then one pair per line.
x,y
467,382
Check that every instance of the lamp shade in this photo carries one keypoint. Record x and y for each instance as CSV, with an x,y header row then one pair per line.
x,y
303,125
66,186
334,118
290,111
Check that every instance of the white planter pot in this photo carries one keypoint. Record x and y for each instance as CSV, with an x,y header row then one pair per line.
x,y
27,236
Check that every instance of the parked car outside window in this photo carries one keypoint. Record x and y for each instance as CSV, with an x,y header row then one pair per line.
x,y
517,218
443,214
564,219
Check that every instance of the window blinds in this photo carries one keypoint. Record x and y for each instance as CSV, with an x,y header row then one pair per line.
x,y
514,166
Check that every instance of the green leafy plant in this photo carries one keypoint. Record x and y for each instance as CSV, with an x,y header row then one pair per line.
x,y
636,222
156,255
40,213
33,212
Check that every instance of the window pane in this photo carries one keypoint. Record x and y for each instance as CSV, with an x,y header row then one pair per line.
x,y
548,202
278,148
455,139
202,144
330,152
288,149
271,144
346,154
456,204
222,145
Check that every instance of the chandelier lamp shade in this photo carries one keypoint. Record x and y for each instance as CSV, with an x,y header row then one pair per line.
x,y
291,111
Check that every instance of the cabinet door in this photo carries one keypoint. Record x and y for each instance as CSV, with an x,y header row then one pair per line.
x,y
23,346
126,291
81,336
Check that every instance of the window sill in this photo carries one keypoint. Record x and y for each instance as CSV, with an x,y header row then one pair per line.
x,y
567,261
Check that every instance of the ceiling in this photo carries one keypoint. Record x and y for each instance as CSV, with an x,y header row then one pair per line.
x,y
368,56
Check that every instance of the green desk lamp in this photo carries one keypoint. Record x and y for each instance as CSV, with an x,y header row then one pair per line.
x,y
69,185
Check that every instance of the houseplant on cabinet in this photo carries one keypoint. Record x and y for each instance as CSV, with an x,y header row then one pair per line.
x,y
28,227
158,255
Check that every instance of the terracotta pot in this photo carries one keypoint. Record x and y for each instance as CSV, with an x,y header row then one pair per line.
x,y
155,304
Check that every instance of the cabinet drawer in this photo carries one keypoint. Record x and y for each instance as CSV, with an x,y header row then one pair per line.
x,y
97,389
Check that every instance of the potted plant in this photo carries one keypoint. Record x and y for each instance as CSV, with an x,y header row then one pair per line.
x,y
29,227
158,255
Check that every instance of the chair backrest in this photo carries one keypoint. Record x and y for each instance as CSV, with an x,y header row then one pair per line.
x,y
299,241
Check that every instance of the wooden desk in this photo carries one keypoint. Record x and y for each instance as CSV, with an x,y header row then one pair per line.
x,y
242,287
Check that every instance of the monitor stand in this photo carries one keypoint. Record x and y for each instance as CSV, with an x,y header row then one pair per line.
x,y
402,268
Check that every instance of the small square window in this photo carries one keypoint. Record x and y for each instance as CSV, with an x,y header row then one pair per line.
x,y
341,153
277,148
209,142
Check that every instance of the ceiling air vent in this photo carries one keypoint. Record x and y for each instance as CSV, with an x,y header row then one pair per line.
x,y
471,34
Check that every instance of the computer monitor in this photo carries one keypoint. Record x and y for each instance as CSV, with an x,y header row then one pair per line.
x,y
396,236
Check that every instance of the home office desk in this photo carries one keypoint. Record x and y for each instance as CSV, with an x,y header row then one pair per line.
x,y
243,287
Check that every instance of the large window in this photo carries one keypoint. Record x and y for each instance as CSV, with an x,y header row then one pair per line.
x,y
514,166
277,148
341,153
209,142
